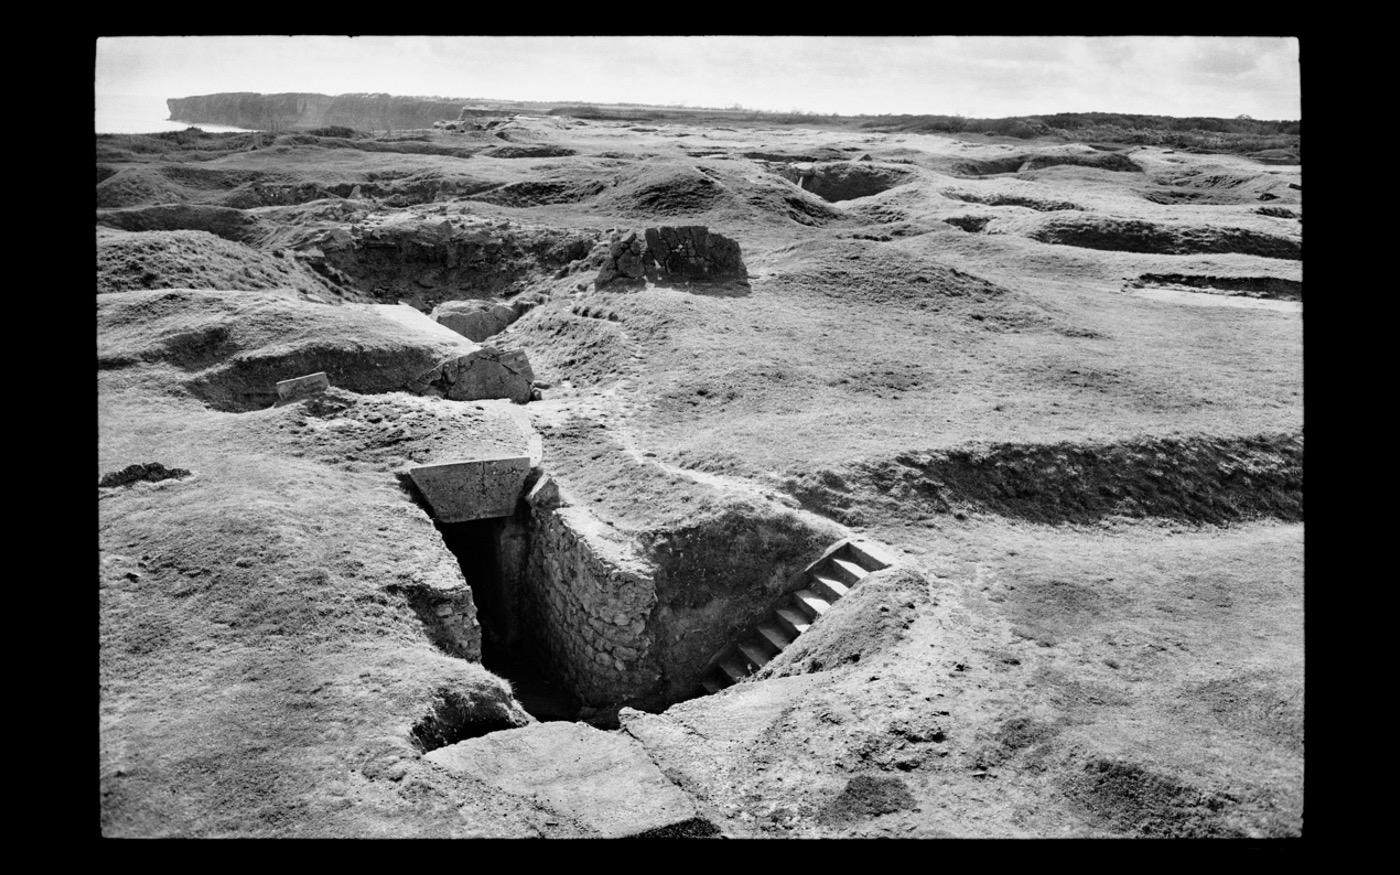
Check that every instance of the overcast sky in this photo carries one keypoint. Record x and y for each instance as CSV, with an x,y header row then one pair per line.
x,y
969,76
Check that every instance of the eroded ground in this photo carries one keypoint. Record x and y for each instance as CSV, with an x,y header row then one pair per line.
x,y
1060,385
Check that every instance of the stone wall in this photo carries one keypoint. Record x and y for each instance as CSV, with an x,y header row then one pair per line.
x,y
718,573
590,601
447,613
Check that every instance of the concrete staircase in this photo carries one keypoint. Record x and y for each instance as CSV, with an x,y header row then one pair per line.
x,y
843,566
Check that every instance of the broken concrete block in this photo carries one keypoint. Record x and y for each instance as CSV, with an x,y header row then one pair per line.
x,y
298,388
473,489
476,320
544,494
673,256
604,780
486,372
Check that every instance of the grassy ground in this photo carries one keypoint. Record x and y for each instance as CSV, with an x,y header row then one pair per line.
x,y
1124,667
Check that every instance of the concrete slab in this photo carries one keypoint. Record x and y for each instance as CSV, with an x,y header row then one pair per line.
x,y
472,489
419,322
298,388
604,780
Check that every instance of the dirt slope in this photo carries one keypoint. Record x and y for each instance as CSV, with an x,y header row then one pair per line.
x,y
1023,368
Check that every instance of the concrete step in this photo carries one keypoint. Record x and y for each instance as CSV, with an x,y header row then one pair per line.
x,y
847,570
811,604
867,556
775,635
711,685
735,669
793,620
828,588
755,652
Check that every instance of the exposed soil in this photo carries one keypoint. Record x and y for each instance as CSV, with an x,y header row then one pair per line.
x,y
849,180
1134,235
1094,500
1254,286
1012,200
456,716
226,222
150,472
1027,162
230,349
971,224
425,263
200,260
1201,481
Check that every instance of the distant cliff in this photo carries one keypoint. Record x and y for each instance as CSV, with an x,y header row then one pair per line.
x,y
246,109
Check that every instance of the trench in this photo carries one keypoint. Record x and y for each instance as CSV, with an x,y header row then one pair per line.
x,y
492,561
580,626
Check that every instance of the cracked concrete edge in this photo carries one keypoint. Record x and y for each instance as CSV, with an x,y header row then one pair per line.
x,y
705,809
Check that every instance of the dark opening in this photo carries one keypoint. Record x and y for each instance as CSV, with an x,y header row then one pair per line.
x,y
509,645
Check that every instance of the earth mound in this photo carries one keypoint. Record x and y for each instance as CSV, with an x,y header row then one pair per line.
x,y
127,261
665,191
573,345
231,224
1216,185
234,347
1135,801
874,618
542,192
181,183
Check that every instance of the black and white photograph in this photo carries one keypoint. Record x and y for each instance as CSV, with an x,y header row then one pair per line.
x,y
728,437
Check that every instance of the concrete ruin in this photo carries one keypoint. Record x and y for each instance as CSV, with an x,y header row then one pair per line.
x,y
673,256
567,602
477,320
603,780
298,388
472,489
475,373
486,372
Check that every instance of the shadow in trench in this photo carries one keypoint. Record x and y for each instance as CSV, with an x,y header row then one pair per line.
x,y
509,647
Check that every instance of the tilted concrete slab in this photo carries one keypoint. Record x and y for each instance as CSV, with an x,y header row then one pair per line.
x,y
471,371
419,323
472,489
298,388
604,780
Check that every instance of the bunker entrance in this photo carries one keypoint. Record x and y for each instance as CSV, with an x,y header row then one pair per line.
x,y
476,505
491,553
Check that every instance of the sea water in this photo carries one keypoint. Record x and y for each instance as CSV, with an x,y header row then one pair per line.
x,y
140,114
